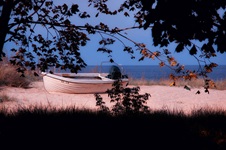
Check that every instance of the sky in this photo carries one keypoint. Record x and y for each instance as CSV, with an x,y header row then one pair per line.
x,y
92,57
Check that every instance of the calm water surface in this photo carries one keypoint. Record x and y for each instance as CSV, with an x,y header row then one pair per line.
x,y
156,72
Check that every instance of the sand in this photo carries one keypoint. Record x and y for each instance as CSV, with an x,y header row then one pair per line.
x,y
162,97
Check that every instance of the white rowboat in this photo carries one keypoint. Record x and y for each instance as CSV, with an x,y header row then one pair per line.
x,y
77,83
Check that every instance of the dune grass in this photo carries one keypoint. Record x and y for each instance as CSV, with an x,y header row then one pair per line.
x,y
10,77
87,129
195,83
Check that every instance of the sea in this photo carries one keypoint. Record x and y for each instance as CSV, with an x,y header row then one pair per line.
x,y
153,72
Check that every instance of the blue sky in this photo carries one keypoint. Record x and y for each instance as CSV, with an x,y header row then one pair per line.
x,y
138,35
92,57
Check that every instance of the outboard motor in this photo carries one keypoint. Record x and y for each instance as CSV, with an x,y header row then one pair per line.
x,y
115,72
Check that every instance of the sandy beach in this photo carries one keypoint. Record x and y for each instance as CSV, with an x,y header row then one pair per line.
x,y
162,97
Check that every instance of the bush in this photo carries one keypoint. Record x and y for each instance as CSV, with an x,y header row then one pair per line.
x,y
10,77
126,100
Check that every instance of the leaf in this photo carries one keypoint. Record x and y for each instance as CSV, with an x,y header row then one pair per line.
x,y
179,47
167,52
144,51
157,53
104,50
67,22
35,74
193,50
172,61
213,65
111,60
142,58
126,14
164,42
141,45
152,57
65,7
173,83
213,55
207,91
193,75
74,8
128,49
172,77
198,92
204,47
208,69
207,48
114,13
48,3
161,64
31,30
132,57
97,14
187,88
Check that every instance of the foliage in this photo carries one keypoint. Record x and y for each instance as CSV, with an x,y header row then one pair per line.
x,y
185,23
126,100
59,48
180,22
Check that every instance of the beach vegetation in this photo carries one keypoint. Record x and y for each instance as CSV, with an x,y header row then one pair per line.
x,y
9,77
125,100
194,83
50,127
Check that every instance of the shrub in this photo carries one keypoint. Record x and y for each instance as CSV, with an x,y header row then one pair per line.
x,y
10,77
126,100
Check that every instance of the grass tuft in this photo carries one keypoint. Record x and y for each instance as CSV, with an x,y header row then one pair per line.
x,y
195,83
10,77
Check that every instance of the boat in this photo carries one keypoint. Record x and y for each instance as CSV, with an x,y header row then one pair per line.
x,y
83,83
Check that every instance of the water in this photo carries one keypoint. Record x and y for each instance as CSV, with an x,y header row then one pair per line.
x,y
156,72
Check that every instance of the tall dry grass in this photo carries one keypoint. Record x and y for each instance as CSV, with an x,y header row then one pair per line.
x,y
10,77
195,83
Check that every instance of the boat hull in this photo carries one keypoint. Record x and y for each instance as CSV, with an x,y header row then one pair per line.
x,y
57,84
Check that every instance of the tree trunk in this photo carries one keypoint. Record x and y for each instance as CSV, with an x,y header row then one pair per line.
x,y
4,20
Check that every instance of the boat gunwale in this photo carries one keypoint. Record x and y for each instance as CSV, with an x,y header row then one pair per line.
x,y
102,79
